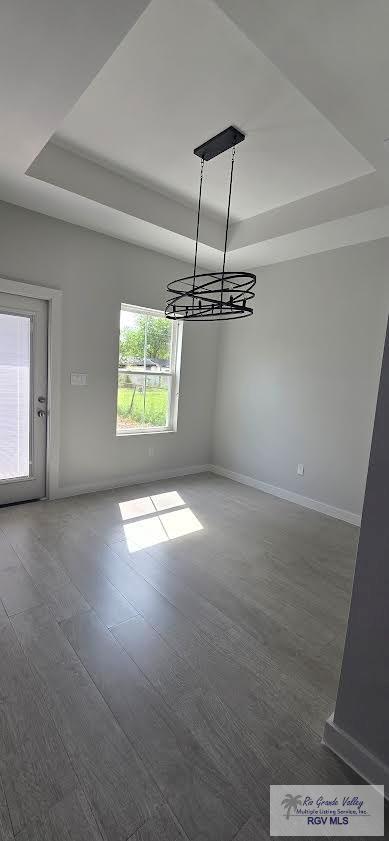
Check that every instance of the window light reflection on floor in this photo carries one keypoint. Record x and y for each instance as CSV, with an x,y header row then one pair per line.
x,y
177,520
132,508
170,499
179,523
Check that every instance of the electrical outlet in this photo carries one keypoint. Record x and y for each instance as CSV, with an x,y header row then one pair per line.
x,y
300,470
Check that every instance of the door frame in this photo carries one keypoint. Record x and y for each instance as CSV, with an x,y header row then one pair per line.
x,y
54,370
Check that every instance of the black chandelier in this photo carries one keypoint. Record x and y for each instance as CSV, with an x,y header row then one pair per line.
x,y
212,296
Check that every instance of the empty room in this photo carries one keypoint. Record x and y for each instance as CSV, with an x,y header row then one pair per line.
x,y
194,415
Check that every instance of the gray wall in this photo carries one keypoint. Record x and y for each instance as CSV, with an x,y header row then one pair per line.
x,y
365,667
97,273
298,381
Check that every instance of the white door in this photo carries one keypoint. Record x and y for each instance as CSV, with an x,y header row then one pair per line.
x,y
23,398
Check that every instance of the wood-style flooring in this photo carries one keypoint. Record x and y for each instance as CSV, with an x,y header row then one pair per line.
x,y
166,653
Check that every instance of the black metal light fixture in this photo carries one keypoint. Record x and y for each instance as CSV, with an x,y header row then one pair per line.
x,y
212,296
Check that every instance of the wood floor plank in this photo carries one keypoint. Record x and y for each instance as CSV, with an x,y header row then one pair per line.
x,y
98,591
3,615
22,520
34,766
258,525
49,577
283,739
37,561
243,587
232,568
71,819
202,710
66,602
199,795
252,831
76,552
17,590
6,833
8,556
234,645
276,646
161,827
120,790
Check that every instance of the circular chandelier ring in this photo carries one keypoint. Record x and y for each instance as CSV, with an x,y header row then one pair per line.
x,y
220,297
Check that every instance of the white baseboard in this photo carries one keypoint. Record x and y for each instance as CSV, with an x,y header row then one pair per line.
x,y
143,478
368,766
137,479
298,499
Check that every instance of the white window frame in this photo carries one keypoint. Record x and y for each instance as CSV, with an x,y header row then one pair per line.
x,y
173,375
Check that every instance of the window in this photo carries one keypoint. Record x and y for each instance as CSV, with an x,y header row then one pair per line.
x,y
148,372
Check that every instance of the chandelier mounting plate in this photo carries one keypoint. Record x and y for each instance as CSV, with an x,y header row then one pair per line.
x,y
226,139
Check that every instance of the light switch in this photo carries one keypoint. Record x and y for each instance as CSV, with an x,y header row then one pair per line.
x,y
300,470
78,379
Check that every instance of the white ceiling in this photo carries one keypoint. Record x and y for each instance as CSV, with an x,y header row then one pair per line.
x,y
102,105
49,53
183,73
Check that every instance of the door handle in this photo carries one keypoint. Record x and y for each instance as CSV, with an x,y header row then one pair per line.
x,y
41,413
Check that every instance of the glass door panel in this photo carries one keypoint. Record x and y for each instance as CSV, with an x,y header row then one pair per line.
x,y
15,403
23,398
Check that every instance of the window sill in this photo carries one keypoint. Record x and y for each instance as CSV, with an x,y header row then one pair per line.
x,y
137,432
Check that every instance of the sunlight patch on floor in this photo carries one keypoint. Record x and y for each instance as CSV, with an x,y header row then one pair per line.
x,y
179,523
177,520
132,508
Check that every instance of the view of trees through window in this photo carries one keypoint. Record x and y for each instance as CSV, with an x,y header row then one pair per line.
x,y
145,370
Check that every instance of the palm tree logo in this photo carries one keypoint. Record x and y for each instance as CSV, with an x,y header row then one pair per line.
x,y
289,802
